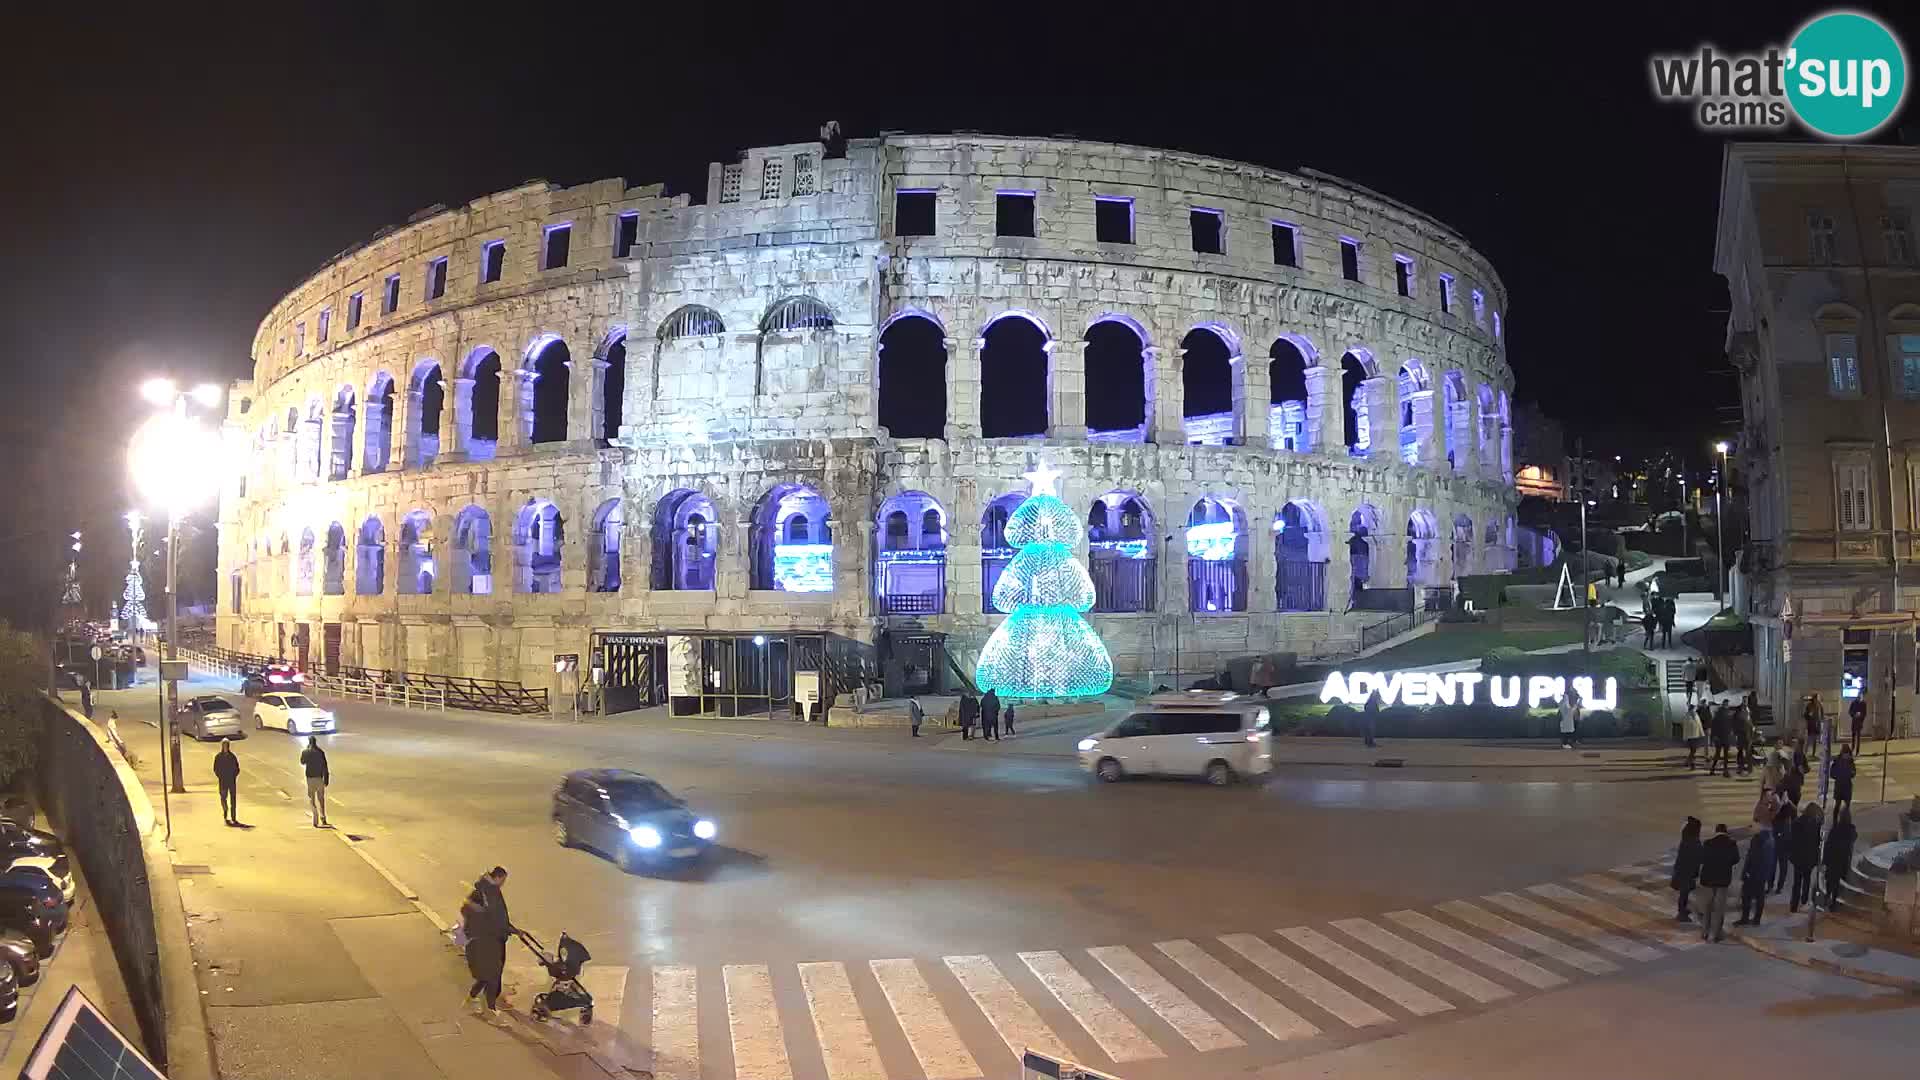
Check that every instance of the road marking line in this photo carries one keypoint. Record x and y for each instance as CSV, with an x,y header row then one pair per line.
x,y
1573,927
676,1023
1194,1024
1528,939
1255,1004
1362,970
608,985
759,1046
1438,968
1638,921
398,885
1019,1026
1467,945
942,1054
1116,1034
1305,981
845,1043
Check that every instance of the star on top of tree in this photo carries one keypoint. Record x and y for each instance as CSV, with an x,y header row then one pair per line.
x,y
1042,476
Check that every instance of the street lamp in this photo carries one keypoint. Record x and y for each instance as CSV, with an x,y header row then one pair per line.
x,y
1719,525
175,464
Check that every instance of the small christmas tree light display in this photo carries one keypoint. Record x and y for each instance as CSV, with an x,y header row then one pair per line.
x,y
1045,648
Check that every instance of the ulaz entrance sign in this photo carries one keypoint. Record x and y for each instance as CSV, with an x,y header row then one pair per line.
x,y
1426,688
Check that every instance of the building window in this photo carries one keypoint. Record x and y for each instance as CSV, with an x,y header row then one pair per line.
x,y
1479,307
324,327
1013,213
803,174
1843,366
437,278
913,213
1286,244
1856,662
730,183
772,172
1112,219
1897,230
626,233
1819,238
1496,326
299,339
1446,294
1350,258
353,311
1853,489
1209,231
1403,275
559,242
1909,365
392,300
493,261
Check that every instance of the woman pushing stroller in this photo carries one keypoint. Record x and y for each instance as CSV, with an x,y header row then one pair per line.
x,y
484,919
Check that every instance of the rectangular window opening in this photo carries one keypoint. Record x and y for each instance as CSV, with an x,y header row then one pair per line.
x,y
1349,258
324,329
1854,490
1209,231
1479,307
1013,213
1909,365
437,278
1446,294
1843,365
1286,244
493,261
392,301
559,244
353,311
299,339
626,233
1112,219
1403,275
1820,245
914,212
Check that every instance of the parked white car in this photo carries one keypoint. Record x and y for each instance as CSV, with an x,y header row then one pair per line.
x,y
296,714
1213,734
53,866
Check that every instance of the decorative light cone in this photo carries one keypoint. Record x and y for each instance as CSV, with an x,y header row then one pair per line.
x,y
1045,648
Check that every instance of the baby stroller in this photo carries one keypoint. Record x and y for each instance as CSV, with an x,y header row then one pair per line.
x,y
565,992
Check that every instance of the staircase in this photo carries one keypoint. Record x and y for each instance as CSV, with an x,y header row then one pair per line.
x,y
1863,891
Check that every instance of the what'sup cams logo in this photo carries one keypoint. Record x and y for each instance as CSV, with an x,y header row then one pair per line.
x,y
1843,76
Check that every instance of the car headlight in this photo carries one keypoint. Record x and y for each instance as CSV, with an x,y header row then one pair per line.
x,y
1088,744
705,830
645,835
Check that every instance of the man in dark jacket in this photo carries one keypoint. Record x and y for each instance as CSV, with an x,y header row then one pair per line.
x,y
969,711
1842,771
990,716
1804,852
1755,876
314,760
1668,609
1783,819
1686,866
1857,719
1718,857
488,926
1722,731
1838,856
226,769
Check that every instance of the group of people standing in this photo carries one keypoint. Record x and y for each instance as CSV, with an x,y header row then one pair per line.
x,y
1656,617
984,712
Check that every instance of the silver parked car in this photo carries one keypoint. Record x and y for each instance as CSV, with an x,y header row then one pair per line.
x,y
211,717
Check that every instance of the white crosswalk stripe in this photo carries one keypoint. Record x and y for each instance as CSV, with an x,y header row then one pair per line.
x,y
1362,970
1305,981
845,1043
1117,1035
1531,940
1467,945
943,1056
1168,1002
1019,1026
1274,1018
1573,927
1437,968
1659,913
759,1046
676,1024
1602,911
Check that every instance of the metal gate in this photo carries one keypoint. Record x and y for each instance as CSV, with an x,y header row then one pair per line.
x,y
1302,586
636,671
302,639
330,647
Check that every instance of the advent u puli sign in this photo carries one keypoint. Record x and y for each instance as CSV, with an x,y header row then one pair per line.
x,y
1424,688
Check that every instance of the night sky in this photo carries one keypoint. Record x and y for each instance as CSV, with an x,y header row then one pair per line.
x,y
169,175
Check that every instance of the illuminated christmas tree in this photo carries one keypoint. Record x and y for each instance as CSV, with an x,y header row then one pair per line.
x,y
133,601
1045,648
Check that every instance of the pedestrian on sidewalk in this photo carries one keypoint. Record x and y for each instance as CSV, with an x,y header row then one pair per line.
x,y
485,919
1370,717
1811,717
1718,857
969,711
1784,817
1669,608
990,716
1838,855
914,715
1006,722
1857,719
1694,729
86,698
1569,726
1649,622
315,761
1686,866
1804,852
1747,737
1842,771
1621,572
226,770
1754,877
1722,730
1774,772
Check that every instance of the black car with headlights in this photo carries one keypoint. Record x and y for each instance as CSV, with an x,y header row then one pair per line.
x,y
18,950
629,817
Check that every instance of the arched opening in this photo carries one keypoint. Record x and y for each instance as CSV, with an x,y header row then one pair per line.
x,y
995,552
482,421
1364,530
1462,546
416,554
1506,437
613,390
1422,534
288,572
308,465
546,393
370,560
1493,553
1358,427
1117,381
333,578
340,442
1216,557
1489,431
910,568
1416,412
429,394
786,352
1014,379
290,447
1459,433
913,378
603,554
1301,549
1123,553
686,534
791,538
378,440
538,542
303,565
1287,391
473,552
1206,379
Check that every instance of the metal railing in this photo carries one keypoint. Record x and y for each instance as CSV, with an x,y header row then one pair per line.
x,y
407,695
1386,629
407,688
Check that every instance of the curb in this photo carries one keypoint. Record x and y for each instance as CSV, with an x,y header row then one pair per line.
x,y
1766,947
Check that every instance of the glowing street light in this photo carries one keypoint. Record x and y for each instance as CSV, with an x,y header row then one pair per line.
x,y
1719,524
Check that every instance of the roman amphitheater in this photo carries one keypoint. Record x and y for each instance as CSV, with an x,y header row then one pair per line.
x,y
714,449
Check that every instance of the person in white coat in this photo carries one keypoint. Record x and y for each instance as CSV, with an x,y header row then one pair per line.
x,y
1569,720
1694,732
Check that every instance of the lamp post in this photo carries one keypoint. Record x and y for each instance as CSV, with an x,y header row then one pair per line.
x,y
174,462
1719,528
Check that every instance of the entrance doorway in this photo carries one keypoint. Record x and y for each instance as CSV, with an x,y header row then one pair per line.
x,y
636,667
330,647
747,676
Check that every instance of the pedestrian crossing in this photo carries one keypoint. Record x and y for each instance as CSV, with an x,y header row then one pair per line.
x,y
1279,991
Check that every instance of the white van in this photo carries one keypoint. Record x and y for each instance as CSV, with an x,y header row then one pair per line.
x,y
1220,735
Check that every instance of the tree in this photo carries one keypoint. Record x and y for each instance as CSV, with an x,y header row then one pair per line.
x,y
23,672
1045,648
133,601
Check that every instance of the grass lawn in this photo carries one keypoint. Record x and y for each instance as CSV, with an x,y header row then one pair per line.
x,y
1449,644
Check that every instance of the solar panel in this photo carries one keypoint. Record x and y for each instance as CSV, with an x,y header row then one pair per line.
x,y
79,1043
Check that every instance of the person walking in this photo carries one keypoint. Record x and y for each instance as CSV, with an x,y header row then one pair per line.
x,y
915,715
1694,730
86,698
1649,622
1838,855
1668,610
1842,771
1621,566
1370,717
1810,717
1804,852
990,716
1784,817
1857,719
488,925
1718,857
969,712
1746,737
1568,725
1686,867
226,770
314,760
1774,772
1006,722
1754,877
1722,742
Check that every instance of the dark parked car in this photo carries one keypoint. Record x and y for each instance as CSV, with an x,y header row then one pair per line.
x,y
18,839
43,889
18,951
9,993
30,912
629,817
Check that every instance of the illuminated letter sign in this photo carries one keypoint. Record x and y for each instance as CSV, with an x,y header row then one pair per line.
x,y
1425,688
